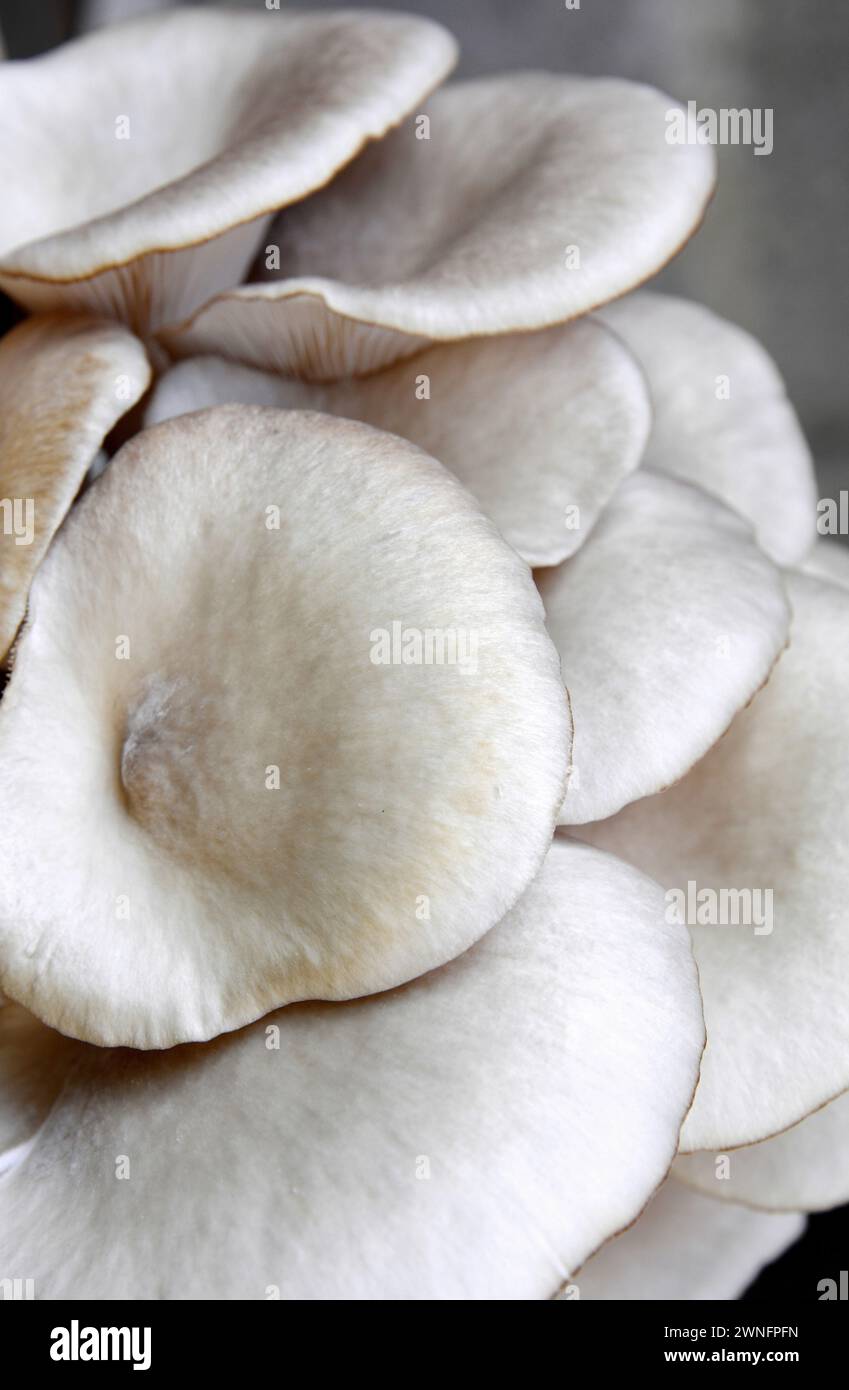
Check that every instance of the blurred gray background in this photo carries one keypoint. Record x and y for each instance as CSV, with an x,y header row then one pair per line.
x,y
772,252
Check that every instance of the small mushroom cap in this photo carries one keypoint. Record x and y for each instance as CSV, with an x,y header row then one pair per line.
x,y
64,382
541,427
285,723
533,199
172,139
668,621
802,1169
722,418
688,1248
475,1134
765,811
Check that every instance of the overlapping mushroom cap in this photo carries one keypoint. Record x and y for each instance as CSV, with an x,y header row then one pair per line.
x,y
804,1166
765,812
647,623
285,722
438,233
434,1142
140,164
569,402
722,419
64,382
686,1248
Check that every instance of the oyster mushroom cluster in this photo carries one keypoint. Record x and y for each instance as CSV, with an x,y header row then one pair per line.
x,y
398,630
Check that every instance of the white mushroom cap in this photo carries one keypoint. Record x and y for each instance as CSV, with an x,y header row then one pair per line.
x,y
805,1167
64,382
173,137
475,1134
722,418
765,810
533,199
687,1248
667,621
287,699
541,427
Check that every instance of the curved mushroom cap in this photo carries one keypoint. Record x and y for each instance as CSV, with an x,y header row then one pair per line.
x,y
172,138
722,418
762,819
64,382
668,621
285,723
473,1135
532,199
541,427
804,1168
687,1248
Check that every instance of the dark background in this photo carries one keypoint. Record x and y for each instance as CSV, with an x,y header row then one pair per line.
x,y
771,255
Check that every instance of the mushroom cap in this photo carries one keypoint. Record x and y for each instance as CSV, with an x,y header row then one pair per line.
x,y
722,418
668,621
130,220
687,1248
765,810
470,231
475,1134
540,427
802,1169
285,723
64,382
